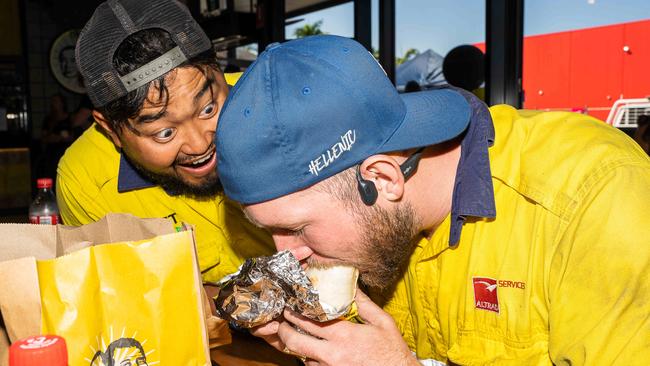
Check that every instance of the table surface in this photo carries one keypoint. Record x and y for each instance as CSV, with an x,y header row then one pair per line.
x,y
247,350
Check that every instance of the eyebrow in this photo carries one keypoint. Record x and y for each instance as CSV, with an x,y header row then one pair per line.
x,y
207,85
146,118
267,227
251,219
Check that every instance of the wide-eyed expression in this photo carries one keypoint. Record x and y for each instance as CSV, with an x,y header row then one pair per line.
x,y
176,142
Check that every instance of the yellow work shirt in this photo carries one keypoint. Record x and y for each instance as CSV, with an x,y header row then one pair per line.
x,y
561,275
87,189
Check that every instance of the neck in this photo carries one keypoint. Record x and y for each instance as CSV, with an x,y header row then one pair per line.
x,y
434,184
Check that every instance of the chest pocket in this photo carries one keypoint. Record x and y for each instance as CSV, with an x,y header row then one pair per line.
x,y
502,313
502,321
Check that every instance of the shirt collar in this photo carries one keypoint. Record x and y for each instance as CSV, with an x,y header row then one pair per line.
x,y
473,193
128,178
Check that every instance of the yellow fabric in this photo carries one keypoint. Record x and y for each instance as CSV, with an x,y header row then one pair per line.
x,y
86,188
145,292
572,197
232,77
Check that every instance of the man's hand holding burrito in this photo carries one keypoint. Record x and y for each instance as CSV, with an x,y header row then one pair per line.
x,y
340,342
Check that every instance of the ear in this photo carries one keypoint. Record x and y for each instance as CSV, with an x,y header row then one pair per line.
x,y
102,121
384,172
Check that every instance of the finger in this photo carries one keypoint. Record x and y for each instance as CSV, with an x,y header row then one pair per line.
x,y
300,343
369,311
323,330
275,342
267,329
269,333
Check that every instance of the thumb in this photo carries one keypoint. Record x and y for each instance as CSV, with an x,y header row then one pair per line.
x,y
369,312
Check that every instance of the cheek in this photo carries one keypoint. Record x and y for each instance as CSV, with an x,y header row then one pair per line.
x,y
152,155
338,239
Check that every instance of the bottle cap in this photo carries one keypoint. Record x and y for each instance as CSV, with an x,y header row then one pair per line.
x,y
44,183
39,350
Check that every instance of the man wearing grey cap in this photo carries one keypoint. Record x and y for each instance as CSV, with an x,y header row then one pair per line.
x,y
489,236
157,90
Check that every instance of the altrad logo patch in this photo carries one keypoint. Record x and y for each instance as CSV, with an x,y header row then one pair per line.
x,y
485,293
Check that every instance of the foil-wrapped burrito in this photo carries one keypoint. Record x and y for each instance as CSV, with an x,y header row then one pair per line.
x,y
264,286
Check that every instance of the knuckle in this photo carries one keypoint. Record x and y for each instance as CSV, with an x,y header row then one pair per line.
x,y
387,321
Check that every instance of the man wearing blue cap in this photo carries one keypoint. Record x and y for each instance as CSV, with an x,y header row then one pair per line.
x,y
488,236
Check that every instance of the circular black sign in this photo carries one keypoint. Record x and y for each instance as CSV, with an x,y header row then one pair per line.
x,y
62,61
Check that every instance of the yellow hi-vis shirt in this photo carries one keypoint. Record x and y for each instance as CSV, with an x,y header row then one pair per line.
x,y
87,189
561,275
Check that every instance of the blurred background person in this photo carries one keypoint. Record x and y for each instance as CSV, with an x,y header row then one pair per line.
x,y
642,133
464,67
57,136
412,86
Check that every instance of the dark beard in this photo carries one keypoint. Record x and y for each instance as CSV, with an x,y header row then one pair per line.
x,y
387,246
176,186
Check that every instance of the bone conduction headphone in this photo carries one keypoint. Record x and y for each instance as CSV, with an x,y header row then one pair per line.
x,y
367,188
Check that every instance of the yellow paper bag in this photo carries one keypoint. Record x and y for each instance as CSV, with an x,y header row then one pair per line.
x,y
138,301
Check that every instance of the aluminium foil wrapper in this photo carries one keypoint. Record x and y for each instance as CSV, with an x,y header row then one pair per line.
x,y
263,287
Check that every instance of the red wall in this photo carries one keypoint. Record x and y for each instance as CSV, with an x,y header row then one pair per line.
x,y
587,68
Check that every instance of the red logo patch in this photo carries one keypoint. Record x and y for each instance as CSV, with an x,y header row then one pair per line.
x,y
485,294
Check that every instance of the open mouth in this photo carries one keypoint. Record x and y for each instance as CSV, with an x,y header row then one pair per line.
x,y
201,164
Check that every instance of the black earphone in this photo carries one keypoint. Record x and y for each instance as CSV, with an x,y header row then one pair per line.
x,y
367,189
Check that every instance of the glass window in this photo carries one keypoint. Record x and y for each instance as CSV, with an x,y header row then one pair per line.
x,y
589,56
337,20
441,41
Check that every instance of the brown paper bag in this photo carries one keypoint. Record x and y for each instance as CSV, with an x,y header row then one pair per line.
x,y
4,345
20,303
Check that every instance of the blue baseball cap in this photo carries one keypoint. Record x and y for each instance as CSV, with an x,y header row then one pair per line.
x,y
308,109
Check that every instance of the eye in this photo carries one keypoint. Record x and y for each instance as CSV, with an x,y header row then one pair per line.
x,y
209,110
295,232
165,135
299,232
289,232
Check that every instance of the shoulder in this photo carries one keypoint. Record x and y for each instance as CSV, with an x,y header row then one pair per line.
x,y
553,157
91,159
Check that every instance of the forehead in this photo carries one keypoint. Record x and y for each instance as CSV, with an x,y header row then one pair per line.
x,y
293,209
183,83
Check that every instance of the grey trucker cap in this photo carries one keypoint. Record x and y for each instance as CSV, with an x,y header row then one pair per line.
x,y
112,22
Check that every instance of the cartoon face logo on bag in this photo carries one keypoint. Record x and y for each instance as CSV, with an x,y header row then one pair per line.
x,y
121,352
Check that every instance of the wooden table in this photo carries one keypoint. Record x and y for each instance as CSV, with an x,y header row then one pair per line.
x,y
247,350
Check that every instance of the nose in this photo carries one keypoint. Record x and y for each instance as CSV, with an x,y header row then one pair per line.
x,y
284,242
299,250
199,136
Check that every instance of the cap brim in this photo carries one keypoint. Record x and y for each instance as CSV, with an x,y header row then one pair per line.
x,y
432,117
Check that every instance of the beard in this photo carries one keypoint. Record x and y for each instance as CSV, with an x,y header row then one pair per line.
x,y
387,244
173,184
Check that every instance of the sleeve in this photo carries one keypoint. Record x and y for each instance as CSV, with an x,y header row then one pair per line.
x,y
235,241
599,281
78,203
245,239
